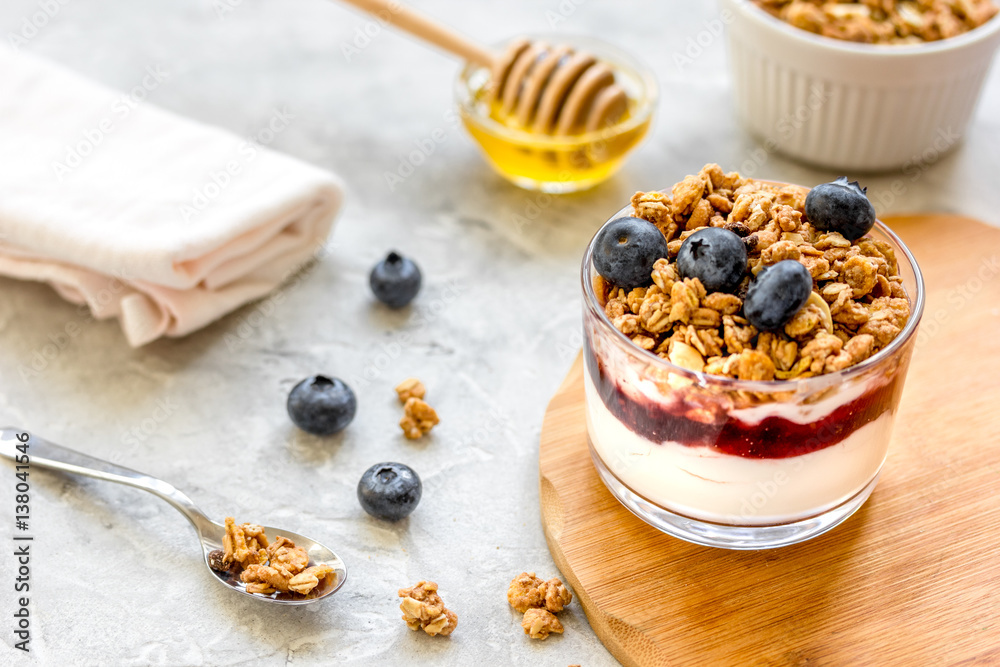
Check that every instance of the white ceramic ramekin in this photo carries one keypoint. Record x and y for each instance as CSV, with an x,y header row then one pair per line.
x,y
858,107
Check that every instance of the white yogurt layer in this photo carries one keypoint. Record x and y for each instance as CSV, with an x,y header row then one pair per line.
x,y
700,483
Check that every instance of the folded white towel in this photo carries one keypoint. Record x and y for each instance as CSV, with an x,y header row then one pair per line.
x,y
160,221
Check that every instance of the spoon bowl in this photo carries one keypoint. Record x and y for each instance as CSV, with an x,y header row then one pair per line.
x,y
28,450
211,540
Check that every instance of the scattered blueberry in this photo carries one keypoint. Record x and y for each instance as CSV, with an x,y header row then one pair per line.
x,y
841,206
389,491
321,405
715,256
778,292
395,280
626,249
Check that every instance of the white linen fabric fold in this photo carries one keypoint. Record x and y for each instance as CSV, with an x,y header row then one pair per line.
x,y
160,221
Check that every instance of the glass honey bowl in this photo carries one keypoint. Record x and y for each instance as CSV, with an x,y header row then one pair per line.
x,y
558,164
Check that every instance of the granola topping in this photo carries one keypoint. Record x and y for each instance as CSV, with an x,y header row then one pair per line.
x,y
857,306
883,21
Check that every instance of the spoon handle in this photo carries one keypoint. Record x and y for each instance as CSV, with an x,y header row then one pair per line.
x,y
23,448
427,29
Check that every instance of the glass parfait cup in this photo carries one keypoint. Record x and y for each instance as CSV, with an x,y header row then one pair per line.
x,y
732,463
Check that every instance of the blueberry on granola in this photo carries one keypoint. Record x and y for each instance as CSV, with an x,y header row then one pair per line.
x,y
841,206
626,249
778,292
715,256
389,491
395,280
322,405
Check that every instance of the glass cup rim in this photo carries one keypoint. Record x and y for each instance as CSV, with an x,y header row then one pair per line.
x,y
815,383
645,106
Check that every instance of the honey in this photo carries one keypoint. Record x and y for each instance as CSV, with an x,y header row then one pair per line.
x,y
556,163
563,164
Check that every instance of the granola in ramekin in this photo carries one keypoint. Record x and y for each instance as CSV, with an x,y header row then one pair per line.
x,y
884,21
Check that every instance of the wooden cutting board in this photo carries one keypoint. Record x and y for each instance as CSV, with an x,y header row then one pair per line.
x,y
912,579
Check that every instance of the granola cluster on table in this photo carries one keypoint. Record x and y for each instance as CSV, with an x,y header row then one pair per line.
x,y
884,21
418,417
267,567
423,609
539,600
858,305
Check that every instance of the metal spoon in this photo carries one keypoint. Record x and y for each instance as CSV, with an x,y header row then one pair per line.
x,y
25,449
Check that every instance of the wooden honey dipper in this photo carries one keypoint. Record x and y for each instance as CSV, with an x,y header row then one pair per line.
x,y
549,90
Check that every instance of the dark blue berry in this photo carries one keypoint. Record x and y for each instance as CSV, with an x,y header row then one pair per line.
x,y
389,491
841,206
625,251
395,280
321,405
715,256
778,292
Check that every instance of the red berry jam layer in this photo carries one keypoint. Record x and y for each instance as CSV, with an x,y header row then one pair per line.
x,y
771,438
